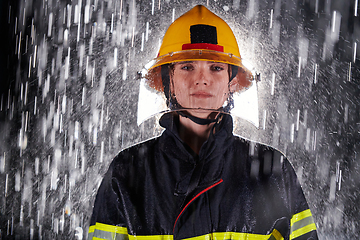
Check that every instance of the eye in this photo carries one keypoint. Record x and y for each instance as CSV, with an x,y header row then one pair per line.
x,y
187,67
217,68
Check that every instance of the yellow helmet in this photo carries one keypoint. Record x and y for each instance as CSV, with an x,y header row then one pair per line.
x,y
199,35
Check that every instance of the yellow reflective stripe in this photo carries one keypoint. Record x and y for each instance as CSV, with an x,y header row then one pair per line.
x,y
104,231
101,231
301,223
276,235
302,231
110,228
91,232
151,237
91,229
299,216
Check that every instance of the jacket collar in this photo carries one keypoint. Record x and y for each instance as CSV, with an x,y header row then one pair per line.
x,y
223,128
211,154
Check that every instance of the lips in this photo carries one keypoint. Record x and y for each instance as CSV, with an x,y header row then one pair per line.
x,y
201,94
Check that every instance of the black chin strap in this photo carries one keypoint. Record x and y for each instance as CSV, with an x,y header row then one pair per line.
x,y
200,121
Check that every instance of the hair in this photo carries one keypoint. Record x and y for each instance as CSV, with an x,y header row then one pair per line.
x,y
166,71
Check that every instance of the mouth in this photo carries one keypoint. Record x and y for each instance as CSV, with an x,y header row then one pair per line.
x,y
201,94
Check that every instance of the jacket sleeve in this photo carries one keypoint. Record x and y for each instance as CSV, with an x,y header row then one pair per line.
x,y
302,225
107,220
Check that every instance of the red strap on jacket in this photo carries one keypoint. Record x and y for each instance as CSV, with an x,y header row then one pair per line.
x,y
203,191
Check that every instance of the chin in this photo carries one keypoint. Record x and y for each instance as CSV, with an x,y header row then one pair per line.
x,y
201,112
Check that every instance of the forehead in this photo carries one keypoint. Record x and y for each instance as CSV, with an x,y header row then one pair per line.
x,y
199,62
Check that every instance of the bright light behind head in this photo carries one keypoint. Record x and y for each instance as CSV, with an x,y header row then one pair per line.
x,y
150,102
246,105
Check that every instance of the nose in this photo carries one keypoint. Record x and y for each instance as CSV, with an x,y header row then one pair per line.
x,y
202,78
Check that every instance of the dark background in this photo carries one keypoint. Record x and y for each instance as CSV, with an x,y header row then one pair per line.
x,y
58,137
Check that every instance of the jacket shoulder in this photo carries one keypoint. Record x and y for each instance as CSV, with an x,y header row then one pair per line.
x,y
137,149
267,159
255,148
134,156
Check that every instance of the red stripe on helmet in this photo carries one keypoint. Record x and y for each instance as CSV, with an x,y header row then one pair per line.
x,y
188,46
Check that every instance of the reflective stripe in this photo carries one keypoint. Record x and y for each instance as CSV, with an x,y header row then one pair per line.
x,y
97,238
110,228
101,231
90,235
299,216
91,232
301,223
302,231
105,231
272,237
91,229
275,235
151,237
109,235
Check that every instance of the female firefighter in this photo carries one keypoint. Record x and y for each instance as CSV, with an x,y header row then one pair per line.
x,y
197,180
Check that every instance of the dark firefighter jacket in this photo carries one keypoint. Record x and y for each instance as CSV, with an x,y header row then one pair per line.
x,y
234,189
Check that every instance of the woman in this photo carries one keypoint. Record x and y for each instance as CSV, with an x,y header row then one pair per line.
x,y
197,180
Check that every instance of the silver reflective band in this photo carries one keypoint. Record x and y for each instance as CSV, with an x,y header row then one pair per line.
x,y
302,223
107,235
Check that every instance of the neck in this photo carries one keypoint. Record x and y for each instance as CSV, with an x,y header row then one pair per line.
x,y
193,134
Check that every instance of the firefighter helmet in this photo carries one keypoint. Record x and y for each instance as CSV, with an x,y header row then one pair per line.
x,y
199,35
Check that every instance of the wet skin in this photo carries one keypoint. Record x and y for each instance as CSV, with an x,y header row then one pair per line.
x,y
200,84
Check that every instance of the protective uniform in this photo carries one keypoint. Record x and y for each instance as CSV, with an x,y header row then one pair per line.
x,y
234,189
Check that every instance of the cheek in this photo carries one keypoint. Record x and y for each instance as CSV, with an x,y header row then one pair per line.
x,y
224,90
179,87
223,84
224,93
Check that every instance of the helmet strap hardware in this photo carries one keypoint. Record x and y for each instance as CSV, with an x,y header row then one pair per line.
x,y
257,77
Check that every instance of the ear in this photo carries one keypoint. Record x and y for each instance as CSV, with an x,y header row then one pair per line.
x,y
234,84
241,81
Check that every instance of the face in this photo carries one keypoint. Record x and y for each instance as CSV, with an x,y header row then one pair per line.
x,y
200,84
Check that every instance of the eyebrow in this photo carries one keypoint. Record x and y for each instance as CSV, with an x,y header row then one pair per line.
x,y
184,62
209,62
